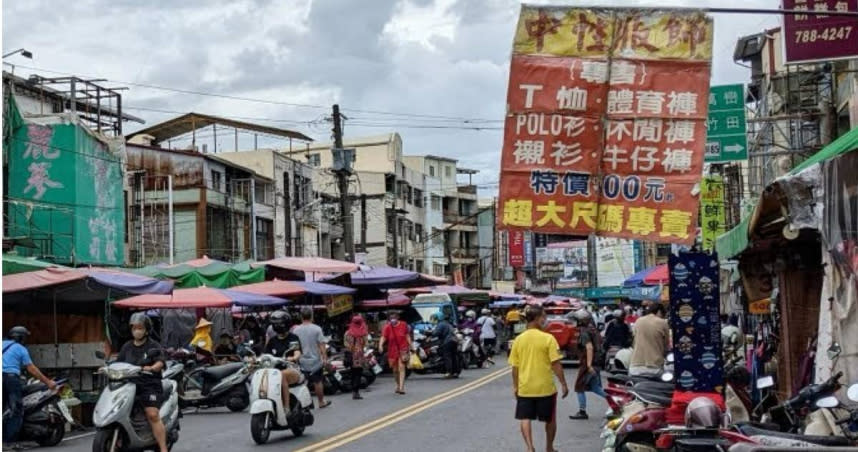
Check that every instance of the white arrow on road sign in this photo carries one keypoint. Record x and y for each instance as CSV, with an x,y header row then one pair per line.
x,y
734,148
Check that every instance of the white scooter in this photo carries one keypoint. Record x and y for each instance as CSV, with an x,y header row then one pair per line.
x,y
120,422
266,401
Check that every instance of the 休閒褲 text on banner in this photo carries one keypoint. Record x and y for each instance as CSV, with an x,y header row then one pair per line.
x,y
605,127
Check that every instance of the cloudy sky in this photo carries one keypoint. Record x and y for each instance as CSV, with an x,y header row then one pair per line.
x,y
433,70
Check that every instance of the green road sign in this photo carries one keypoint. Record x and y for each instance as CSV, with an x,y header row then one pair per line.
x,y
726,138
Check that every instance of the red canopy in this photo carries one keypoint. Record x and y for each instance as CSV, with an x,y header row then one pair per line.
x,y
201,262
275,288
659,275
198,297
395,300
310,264
40,278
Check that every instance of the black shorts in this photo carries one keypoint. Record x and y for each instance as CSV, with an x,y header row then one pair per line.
x,y
150,393
314,377
536,408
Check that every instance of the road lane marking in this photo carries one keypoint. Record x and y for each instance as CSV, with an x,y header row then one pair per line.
x,y
390,419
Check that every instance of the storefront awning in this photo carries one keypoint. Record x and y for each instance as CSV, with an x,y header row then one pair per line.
x,y
736,240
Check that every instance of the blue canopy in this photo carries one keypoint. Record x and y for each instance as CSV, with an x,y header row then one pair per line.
x,y
389,278
317,288
506,304
129,282
637,279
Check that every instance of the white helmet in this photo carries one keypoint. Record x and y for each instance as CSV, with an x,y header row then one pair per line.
x,y
583,315
470,314
486,311
617,313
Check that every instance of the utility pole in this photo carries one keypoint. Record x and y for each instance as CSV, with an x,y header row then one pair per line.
x,y
343,174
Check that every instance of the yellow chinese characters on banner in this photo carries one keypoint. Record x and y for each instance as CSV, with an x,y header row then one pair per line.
x,y
712,215
605,128
338,304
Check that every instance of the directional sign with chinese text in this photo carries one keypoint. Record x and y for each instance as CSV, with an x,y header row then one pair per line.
x,y
726,138
606,123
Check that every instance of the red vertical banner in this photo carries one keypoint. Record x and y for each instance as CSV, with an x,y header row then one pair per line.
x,y
516,248
605,128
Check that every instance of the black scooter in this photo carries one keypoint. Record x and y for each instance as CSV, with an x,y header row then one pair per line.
x,y
45,414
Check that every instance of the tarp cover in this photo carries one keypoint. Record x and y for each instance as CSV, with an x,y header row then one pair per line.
x,y
389,278
40,279
205,272
310,264
395,300
13,263
128,282
275,288
200,297
317,288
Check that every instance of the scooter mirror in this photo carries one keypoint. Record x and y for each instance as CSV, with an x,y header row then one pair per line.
x,y
827,402
852,392
669,357
100,354
765,382
667,377
834,351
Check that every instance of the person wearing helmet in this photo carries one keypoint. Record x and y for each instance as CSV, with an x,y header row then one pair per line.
x,y
142,351
447,338
618,333
488,337
16,358
286,345
588,378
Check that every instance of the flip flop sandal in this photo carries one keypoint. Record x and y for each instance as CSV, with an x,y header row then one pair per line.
x,y
327,404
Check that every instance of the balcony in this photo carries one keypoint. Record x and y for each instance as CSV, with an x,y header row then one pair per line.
x,y
456,222
467,192
464,255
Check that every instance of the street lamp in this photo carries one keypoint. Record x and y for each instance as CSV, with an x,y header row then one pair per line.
x,y
24,53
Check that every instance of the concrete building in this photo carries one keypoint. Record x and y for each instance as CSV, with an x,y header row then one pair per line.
x,y
459,217
221,209
388,200
306,223
486,232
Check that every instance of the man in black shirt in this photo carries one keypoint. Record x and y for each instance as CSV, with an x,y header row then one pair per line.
x,y
148,354
285,345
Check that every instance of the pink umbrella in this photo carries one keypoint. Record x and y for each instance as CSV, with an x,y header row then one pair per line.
x,y
199,297
659,275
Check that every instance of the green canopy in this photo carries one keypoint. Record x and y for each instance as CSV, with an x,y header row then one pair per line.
x,y
734,241
13,263
217,274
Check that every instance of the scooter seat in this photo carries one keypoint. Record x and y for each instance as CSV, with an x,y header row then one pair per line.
x,y
658,387
35,387
629,380
653,398
222,371
167,388
750,430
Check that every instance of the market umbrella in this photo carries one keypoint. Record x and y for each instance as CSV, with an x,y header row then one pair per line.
x,y
200,297
275,288
659,275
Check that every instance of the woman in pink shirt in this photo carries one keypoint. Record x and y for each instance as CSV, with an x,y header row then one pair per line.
x,y
396,337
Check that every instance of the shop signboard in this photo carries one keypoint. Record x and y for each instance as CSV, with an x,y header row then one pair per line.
x,y
726,132
606,122
338,304
713,221
820,37
516,248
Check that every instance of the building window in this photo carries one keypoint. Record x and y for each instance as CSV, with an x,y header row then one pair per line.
x,y
438,269
431,171
264,239
315,160
409,195
418,266
418,198
418,232
217,179
448,171
389,183
436,202
390,225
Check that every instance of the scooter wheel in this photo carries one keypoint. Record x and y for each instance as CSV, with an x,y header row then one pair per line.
x,y
298,431
260,427
103,440
57,431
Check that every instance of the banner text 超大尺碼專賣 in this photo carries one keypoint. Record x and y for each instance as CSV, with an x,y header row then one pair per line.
x,y
606,123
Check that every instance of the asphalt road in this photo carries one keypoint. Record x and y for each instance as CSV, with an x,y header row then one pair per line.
x,y
473,413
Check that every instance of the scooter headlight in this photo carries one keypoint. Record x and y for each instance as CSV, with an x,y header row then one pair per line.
x,y
614,424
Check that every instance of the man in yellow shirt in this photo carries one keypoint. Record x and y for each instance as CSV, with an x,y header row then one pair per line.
x,y
535,360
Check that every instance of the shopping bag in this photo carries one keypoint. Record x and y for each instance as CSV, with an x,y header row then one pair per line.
x,y
414,362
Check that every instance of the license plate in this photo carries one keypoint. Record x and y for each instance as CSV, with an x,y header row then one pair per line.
x,y
377,369
338,376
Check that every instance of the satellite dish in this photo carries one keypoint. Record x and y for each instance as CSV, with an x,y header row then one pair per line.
x,y
790,233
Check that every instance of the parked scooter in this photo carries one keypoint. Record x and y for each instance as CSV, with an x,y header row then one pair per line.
x,y
45,414
428,349
120,422
470,351
267,410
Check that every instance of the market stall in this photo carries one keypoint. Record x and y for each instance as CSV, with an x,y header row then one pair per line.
x,y
205,272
